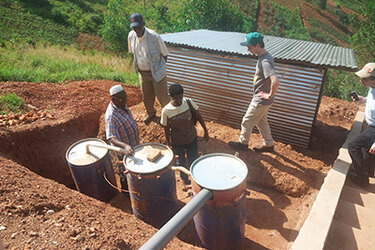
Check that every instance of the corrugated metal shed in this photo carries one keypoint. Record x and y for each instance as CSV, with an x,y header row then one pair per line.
x,y
218,73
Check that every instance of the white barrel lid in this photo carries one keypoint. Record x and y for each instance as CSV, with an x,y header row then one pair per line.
x,y
218,171
77,154
139,162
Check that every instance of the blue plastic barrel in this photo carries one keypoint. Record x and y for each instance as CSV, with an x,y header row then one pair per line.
x,y
221,227
87,168
220,223
152,185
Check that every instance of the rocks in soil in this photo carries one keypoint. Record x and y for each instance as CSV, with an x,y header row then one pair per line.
x,y
12,119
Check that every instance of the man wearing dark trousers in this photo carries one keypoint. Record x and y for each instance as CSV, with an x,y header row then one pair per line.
x,y
365,140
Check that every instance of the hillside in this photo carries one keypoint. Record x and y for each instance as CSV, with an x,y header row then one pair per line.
x,y
59,22
92,25
306,20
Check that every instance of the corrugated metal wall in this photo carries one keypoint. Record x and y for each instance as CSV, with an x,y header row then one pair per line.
x,y
222,87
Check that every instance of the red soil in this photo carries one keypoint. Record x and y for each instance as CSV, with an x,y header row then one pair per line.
x,y
282,186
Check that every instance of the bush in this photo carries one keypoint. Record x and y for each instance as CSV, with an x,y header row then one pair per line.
x,y
116,26
221,15
339,84
10,102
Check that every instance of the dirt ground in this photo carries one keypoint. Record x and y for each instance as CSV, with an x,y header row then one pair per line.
x,y
39,208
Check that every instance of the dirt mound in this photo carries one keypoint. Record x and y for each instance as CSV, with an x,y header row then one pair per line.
x,y
282,184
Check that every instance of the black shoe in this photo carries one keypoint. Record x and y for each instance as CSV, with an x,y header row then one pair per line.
x,y
359,181
237,145
263,148
148,118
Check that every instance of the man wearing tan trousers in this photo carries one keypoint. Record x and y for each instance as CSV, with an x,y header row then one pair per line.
x,y
265,86
150,57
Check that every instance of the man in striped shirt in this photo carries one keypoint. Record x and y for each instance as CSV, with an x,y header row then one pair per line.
x,y
121,128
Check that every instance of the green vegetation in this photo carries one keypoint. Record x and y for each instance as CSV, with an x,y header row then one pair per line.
x,y
339,84
344,18
21,27
38,38
325,33
356,5
10,102
82,15
57,65
222,15
283,22
250,9
116,26
363,42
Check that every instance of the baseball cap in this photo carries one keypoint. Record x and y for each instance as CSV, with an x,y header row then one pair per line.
x,y
252,38
136,20
367,71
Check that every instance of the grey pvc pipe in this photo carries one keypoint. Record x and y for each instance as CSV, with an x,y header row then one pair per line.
x,y
178,222
181,169
106,146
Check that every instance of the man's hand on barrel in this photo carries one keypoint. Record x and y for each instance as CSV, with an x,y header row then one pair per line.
x,y
128,150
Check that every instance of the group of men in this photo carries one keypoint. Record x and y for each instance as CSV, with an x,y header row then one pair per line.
x,y
178,113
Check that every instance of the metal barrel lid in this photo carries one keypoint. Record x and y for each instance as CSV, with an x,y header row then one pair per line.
x,y
139,162
78,156
218,171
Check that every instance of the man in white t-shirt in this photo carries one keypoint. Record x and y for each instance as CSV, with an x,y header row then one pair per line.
x,y
150,57
178,118
366,139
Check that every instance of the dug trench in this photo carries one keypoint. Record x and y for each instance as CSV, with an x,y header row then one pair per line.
x,y
35,177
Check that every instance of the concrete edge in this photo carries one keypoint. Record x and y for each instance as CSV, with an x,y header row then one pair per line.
x,y
314,231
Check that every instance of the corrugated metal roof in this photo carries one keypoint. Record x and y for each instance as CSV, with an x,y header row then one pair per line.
x,y
282,49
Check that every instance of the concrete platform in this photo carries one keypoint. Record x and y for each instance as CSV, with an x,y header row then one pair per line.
x,y
353,225
342,216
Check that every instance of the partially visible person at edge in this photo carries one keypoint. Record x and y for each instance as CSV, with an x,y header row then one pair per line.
x,y
179,127
120,127
265,86
366,139
150,57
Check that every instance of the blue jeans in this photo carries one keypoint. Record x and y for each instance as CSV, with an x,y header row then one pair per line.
x,y
191,151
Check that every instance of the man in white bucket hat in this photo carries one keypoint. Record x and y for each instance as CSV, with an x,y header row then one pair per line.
x,y
365,141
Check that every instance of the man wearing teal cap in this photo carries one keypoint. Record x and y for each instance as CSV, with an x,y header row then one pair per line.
x,y
265,86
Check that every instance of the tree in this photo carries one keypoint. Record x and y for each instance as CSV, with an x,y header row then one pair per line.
x,y
210,14
116,26
363,41
323,4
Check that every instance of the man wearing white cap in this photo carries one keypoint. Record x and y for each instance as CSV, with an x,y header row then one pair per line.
x,y
365,140
150,57
120,126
